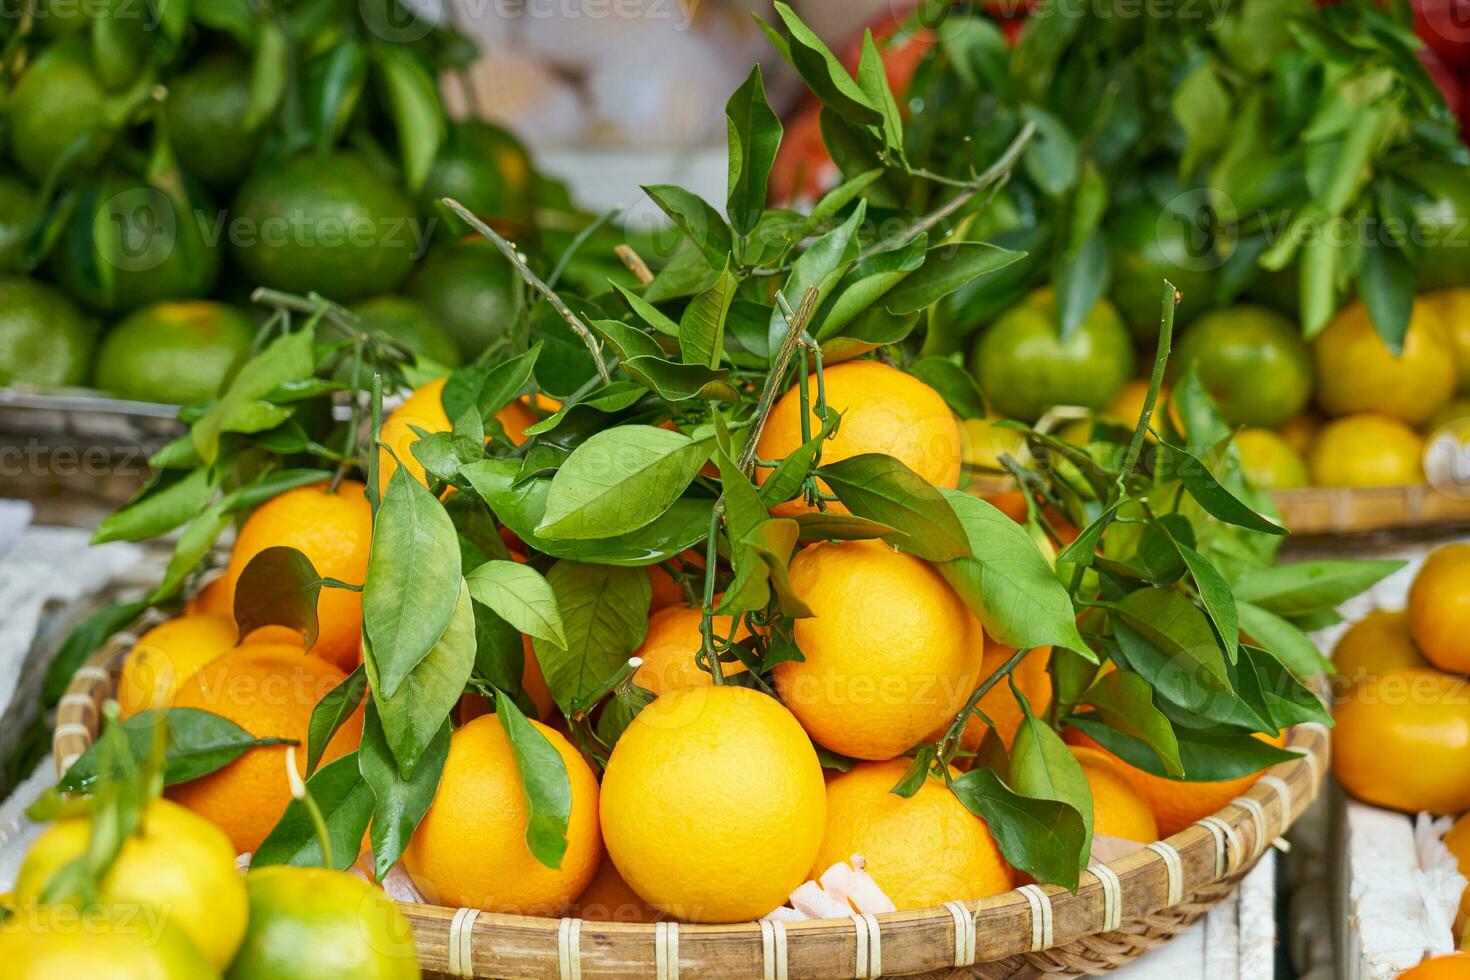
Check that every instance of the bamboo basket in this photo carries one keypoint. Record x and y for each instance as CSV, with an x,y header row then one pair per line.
x,y
1119,912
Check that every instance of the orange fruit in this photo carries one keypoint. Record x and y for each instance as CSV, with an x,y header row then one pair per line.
x,y
922,851
166,656
1356,372
1457,841
1379,641
892,653
669,647
713,804
334,531
1118,809
470,850
1452,308
214,597
1268,460
883,410
1451,966
999,703
270,692
1177,803
1402,740
609,899
1366,450
984,441
1439,608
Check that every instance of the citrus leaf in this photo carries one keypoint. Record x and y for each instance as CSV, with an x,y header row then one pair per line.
x,y
827,526
158,509
872,79
1284,639
947,268
1206,756
702,327
1309,586
489,383
620,480
413,574
754,139
679,382
331,713
1125,701
242,408
279,587
398,804
1214,498
823,73
1043,768
820,267
605,615
1041,837
647,312
866,283
607,400
521,596
544,777
346,802
785,480
883,489
695,217
414,104
955,385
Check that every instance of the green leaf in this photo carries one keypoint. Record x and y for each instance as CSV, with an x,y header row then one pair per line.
x,y
1007,583
605,613
270,71
399,804
865,284
821,266
1214,498
702,327
872,78
774,540
489,383
947,268
1201,107
1310,586
242,407
825,525
1052,160
519,595
279,587
1386,280
824,74
955,385
199,743
415,106
545,780
413,577
1193,682
1041,837
521,504
1207,756
785,480
620,480
1081,278
1169,621
412,715
881,488
1125,701
840,197
697,218
679,382
647,312
346,802
158,510
331,713
193,546
1043,768
334,83
754,137
607,400
1292,646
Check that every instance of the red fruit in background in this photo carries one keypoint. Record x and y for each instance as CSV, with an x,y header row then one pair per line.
x,y
1449,85
1012,30
1444,25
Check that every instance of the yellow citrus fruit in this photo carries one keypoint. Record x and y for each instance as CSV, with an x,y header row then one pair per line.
x,y
1451,966
1269,461
1366,450
984,441
1452,308
669,647
315,924
1379,641
1300,430
610,899
922,851
424,409
1356,372
892,653
470,850
1457,841
127,943
1402,740
333,530
214,598
178,864
270,692
883,410
713,804
1439,608
167,655
1118,809
999,703
1177,803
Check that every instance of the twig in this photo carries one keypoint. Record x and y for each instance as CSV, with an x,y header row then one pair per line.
x,y
957,727
565,259
796,324
515,259
634,263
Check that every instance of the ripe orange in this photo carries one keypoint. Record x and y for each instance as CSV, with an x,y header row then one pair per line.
x,y
270,692
1379,641
883,410
1402,740
166,656
713,804
1452,307
470,850
1457,841
333,530
1268,460
1366,450
1439,608
1118,809
424,409
922,851
999,703
669,648
214,598
983,442
1177,803
609,899
1356,372
1451,966
891,651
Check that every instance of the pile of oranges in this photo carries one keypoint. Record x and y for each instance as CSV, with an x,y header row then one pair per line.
x,y
718,800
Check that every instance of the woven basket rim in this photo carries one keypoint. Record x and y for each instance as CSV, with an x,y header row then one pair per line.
x,y
1203,859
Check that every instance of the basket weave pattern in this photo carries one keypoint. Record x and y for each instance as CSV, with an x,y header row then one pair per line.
x,y
1119,911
